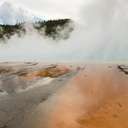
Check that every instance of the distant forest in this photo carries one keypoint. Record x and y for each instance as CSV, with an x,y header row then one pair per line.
x,y
55,29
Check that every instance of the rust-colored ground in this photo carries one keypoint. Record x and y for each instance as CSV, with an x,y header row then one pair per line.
x,y
96,98
53,72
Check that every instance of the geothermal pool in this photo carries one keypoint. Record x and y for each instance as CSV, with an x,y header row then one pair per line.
x,y
40,95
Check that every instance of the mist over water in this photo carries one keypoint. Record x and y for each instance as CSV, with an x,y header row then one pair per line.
x,y
100,35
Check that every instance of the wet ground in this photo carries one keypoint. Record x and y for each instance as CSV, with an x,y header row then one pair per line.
x,y
20,94
37,95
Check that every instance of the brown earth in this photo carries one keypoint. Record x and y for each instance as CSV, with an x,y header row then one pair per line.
x,y
96,98
52,72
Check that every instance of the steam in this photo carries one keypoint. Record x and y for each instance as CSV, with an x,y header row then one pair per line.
x,y
100,35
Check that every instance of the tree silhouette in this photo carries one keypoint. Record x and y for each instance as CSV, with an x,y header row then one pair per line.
x,y
45,28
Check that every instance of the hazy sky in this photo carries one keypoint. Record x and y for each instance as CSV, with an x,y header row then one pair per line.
x,y
55,8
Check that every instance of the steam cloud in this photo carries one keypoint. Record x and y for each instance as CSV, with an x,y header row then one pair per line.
x,y
100,35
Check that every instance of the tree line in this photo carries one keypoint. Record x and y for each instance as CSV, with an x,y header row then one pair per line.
x,y
50,28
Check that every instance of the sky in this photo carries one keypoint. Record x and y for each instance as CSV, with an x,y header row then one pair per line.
x,y
55,8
